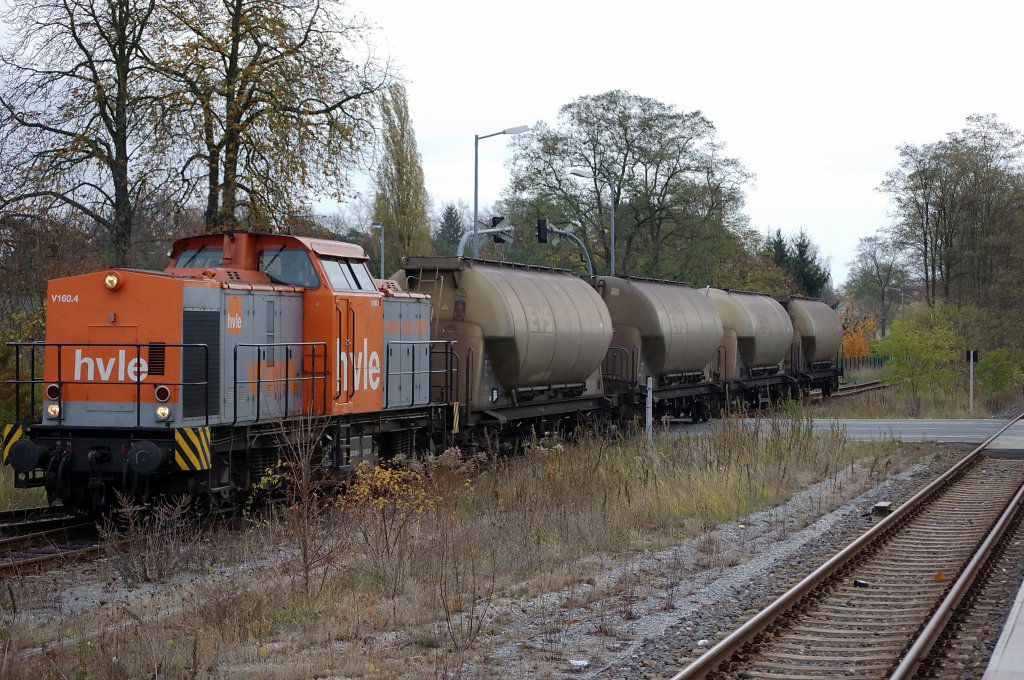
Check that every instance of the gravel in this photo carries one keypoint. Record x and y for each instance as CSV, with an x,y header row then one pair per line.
x,y
645,617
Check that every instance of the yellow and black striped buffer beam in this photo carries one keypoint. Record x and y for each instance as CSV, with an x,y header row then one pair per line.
x,y
12,433
192,448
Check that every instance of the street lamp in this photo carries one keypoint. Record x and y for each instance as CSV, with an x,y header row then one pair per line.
x,y
900,291
380,225
586,174
519,129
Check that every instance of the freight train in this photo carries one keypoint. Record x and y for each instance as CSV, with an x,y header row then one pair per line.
x,y
184,381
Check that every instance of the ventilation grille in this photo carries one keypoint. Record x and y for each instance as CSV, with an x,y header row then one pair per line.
x,y
157,358
201,328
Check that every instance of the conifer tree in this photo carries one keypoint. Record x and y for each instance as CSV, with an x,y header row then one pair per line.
x,y
449,231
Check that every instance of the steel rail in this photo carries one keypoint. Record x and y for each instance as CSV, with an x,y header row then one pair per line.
x,y
25,513
864,386
17,567
735,641
28,540
929,635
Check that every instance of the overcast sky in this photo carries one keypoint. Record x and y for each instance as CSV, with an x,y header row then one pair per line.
x,y
813,97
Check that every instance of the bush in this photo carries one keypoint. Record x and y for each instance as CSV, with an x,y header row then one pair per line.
x,y
997,372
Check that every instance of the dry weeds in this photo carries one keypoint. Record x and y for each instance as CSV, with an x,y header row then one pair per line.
x,y
442,554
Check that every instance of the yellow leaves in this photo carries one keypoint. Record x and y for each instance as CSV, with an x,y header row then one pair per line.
x,y
383,489
269,480
856,335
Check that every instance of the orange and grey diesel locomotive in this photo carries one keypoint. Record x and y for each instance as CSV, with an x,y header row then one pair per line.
x,y
181,381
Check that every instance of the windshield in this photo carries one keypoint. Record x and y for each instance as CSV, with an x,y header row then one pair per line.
x,y
290,266
199,258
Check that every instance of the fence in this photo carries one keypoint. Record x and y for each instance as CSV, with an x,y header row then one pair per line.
x,y
853,364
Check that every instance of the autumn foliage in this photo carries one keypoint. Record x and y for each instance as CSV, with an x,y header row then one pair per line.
x,y
856,335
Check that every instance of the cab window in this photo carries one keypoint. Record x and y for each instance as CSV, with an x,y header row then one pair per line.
x,y
202,257
289,266
346,275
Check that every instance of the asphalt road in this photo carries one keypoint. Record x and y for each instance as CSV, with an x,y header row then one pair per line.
x,y
958,431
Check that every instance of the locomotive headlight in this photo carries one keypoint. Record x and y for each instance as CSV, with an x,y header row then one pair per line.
x,y
53,410
163,412
112,281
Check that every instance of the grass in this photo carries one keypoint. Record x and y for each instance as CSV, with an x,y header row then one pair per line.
x,y
428,553
16,499
864,375
897,402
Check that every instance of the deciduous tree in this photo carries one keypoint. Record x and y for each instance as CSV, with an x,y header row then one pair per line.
x,y
921,351
674,191
958,209
75,108
401,199
265,103
877,277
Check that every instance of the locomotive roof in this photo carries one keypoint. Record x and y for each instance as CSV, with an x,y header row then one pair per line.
x,y
320,246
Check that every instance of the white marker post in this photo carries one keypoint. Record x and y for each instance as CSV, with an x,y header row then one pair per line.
x,y
649,419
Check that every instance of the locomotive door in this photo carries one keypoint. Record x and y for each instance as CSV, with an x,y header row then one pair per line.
x,y
344,381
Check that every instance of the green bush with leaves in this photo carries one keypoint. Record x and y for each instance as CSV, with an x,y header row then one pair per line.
x,y
922,351
997,371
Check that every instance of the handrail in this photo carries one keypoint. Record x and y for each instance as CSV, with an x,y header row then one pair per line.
x,y
287,379
350,363
614,363
430,372
108,382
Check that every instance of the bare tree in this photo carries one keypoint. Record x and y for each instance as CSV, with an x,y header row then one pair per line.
x,y
74,113
878,276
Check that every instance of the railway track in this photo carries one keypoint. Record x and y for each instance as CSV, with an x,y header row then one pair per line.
x,y
849,390
878,608
34,552
23,513
35,520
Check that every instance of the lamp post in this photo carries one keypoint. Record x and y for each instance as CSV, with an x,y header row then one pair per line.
x,y
900,291
519,129
380,225
586,174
